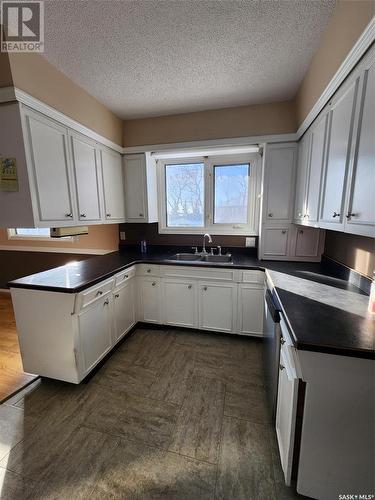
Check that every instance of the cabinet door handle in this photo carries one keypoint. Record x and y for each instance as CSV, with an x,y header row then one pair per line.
x,y
349,215
306,216
148,271
299,215
270,215
69,215
281,367
141,215
109,215
106,302
82,215
189,287
117,296
283,231
300,231
335,214
125,276
282,340
99,292
153,283
205,288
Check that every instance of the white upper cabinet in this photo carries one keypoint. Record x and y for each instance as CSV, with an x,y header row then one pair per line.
x,y
360,211
302,174
86,172
140,188
113,186
48,152
279,182
318,136
340,128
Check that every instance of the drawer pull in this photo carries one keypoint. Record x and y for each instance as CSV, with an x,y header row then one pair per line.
x,y
281,367
99,292
125,276
106,302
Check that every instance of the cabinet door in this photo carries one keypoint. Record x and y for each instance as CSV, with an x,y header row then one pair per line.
x,y
337,159
149,290
275,242
302,172
280,171
94,326
286,416
318,136
135,188
124,309
87,178
360,216
113,184
250,310
217,303
180,303
307,242
48,148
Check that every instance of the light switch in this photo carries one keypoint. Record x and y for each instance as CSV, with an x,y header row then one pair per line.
x,y
122,235
250,242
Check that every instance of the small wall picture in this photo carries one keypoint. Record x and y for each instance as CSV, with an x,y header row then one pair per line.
x,y
8,174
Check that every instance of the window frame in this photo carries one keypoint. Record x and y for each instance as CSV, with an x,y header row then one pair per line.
x,y
249,229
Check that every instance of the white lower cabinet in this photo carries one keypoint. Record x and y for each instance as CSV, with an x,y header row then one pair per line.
x,y
217,306
149,300
180,303
94,331
123,309
250,310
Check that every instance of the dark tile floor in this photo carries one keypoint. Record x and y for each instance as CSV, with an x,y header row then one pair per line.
x,y
173,415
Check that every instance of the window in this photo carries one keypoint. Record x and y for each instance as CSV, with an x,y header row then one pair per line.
x,y
217,194
38,232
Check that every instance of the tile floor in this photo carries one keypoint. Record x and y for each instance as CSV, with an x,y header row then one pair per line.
x,y
173,415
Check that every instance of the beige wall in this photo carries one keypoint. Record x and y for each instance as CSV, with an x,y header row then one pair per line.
x,y
102,237
356,252
36,76
5,73
275,118
348,21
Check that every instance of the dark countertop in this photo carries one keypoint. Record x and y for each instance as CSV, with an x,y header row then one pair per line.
x,y
324,313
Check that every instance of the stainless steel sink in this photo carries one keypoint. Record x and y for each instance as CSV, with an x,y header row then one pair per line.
x,y
190,257
186,256
217,258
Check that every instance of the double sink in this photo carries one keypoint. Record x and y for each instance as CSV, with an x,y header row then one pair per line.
x,y
196,257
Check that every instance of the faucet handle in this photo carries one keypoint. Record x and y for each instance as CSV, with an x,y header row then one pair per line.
x,y
212,250
195,249
219,250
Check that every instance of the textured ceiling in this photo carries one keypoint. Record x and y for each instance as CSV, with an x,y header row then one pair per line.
x,y
158,57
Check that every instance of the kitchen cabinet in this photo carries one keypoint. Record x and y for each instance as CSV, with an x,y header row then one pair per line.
x,y
250,309
180,303
318,137
94,330
140,188
302,174
47,147
360,211
217,306
307,242
123,309
340,129
113,185
286,412
149,299
275,242
280,162
86,173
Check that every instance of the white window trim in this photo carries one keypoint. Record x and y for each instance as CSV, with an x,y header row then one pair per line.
x,y
249,229
12,235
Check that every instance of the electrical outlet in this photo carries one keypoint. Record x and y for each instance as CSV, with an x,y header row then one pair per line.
x,y
122,235
250,242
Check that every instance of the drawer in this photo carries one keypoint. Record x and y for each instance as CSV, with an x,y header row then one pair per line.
x,y
256,277
94,293
201,273
148,270
125,275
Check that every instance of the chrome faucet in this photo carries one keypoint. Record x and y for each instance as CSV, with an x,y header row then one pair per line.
x,y
204,251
